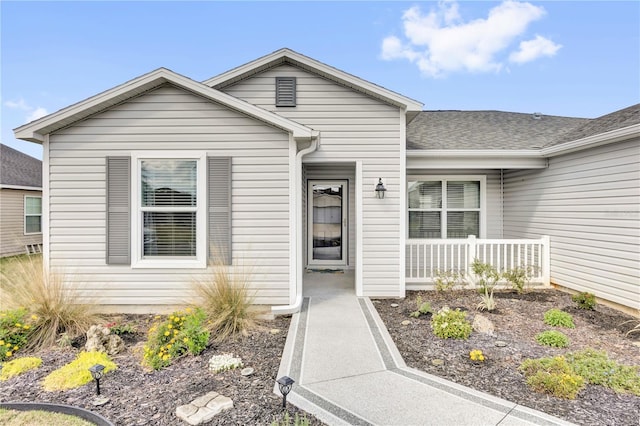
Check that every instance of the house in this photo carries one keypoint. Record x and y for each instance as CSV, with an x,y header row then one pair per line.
x,y
275,164
20,203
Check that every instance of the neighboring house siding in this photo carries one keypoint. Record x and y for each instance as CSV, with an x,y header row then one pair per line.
x,y
588,203
353,127
169,118
493,196
12,222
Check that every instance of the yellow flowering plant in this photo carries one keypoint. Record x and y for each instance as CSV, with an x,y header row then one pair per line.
x,y
476,355
173,336
15,328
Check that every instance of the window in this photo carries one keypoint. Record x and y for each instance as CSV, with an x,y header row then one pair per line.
x,y
285,91
445,208
32,215
170,208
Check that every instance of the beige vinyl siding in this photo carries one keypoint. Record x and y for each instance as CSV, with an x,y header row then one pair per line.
x,y
588,203
169,118
493,194
12,237
354,127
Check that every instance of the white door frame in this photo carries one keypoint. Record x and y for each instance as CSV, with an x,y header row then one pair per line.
x,y
345,223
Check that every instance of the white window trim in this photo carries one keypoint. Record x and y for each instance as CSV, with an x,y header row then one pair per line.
x,y
444,178
137,260
24,211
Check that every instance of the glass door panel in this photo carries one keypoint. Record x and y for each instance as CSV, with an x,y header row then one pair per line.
x,y
327,223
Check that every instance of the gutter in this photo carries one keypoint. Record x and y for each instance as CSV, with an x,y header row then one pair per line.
x,y
297,277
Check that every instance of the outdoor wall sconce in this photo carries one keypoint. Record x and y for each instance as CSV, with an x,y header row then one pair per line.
x,y
285,383
97,371
380,189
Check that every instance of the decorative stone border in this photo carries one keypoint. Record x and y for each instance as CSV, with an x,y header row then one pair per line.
x,y
89,416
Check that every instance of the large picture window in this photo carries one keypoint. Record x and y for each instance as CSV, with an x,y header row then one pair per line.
x,y
32,215
445,208
170,203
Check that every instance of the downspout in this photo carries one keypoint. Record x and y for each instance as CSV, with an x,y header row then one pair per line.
x,y
295,307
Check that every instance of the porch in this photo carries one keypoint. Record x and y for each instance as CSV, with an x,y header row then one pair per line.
x,y
429,259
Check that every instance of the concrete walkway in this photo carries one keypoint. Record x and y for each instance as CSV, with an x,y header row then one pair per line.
x,y
349,372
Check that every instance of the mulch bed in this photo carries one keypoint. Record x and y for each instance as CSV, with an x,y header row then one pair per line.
x,y
141,397
517,320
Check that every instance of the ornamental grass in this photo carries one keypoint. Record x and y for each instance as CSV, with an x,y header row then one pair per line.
x,y
49,297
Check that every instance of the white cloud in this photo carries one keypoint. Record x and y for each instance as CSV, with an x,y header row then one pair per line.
x,y
33,113
440,42
533,49
37,113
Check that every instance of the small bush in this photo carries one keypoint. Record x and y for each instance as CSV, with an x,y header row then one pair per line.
x,y
224,296
598,369
518,277
558,318
177,334
448,323
553,376
15,327
486,276
487,301
76,373
585,300
224,362
424,308
19,366
476,355
448,280
120,329
286,420
52,297
552,338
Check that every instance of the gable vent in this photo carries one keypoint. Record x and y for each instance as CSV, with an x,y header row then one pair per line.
x,y
285,91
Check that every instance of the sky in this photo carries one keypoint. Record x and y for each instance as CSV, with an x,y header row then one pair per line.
x,y
568,58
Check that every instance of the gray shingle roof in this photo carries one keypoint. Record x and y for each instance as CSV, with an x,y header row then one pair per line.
x,y
19,169
486,130
616,120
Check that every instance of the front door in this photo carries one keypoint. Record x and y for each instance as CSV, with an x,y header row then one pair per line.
x,y
327,221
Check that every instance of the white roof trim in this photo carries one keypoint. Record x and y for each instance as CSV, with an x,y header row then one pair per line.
x,y
474,152
592,141
278,56
475,159
35,130
23,188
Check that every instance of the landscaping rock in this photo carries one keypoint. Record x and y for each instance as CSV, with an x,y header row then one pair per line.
x,y
406,322
394,305
204,408
99,338
247,371
482,324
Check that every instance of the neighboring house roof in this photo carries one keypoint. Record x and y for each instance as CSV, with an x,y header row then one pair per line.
x,y
19,170
284,56
486,130
620,119
35,131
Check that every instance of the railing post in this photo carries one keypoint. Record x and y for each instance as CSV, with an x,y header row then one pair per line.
x,y
471,254
546,260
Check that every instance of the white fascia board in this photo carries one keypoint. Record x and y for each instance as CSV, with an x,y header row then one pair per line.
x,y
480,159
593,141
35,130
22,188
409,104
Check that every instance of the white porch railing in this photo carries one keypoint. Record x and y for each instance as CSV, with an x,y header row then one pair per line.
x,y
426,259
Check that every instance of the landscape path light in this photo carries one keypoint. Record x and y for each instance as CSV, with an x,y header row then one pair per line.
x,y
285,383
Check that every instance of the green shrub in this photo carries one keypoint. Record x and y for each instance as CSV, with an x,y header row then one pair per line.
x,y
447,323
518,277
177,334
585,300
487,301
424,308
558,318
552,338
76,373
19,366
486,276
224,296
52,297
552,375
448,280
596,368
15,327
120,329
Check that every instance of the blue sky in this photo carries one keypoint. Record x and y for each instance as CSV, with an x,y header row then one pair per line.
x,y
579,59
